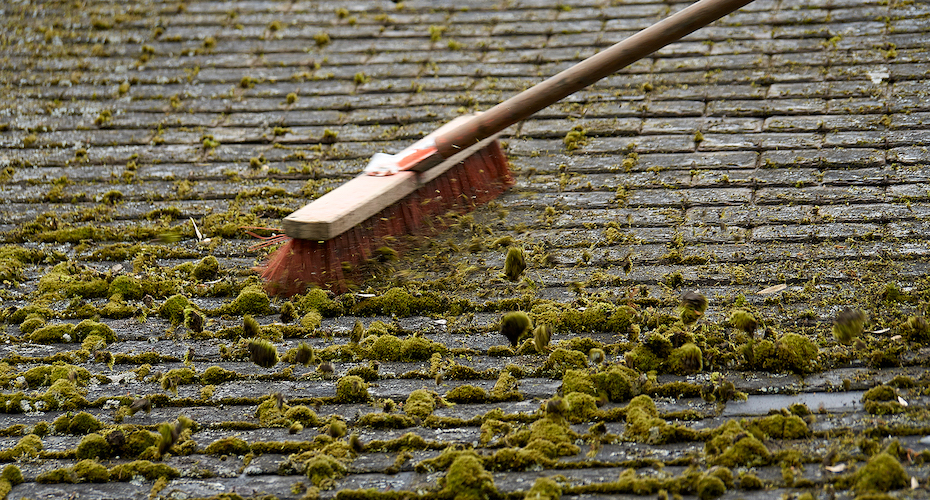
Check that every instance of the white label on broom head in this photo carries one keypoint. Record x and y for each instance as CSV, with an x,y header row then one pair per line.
x,y
386,164
382,164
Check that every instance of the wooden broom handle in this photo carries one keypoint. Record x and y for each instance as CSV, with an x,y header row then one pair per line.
x,y
583,74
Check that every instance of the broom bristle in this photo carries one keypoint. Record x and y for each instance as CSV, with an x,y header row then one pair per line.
x,y
300,264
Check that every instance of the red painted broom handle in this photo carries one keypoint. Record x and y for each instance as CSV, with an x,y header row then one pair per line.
x,y
585,73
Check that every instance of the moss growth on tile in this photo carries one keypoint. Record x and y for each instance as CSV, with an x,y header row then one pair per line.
x,y
351,389
467,479
467,394
882,472
227,446
144,468
420,403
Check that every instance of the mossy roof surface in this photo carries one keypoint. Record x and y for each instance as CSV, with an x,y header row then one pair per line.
x,y
774,162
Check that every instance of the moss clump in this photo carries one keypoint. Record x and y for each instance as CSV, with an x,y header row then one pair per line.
x,y
466,479
320,301
323,470
89,471
797,353
89,328
61,475
514,263
288,312
883,472
93,446
52,334
144,468
734,447
62,395
228,446
544,488
263,353
28,446
420,403
780,426
515,325
251,300
750,481
32,323
581,407
173,308
686,360
743,320
351,389
312,320
849,324
303,415
400,302
128,287
916,329
710,487
467,394
505,389
564,359
578,381
10,477
215,375
49,374
551,437
387,348
642,420
617,382
882,400
418,348
207,269
84,423
139,441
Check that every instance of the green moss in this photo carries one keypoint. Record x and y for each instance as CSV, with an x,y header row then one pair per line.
x,y
12,474
89,471
849,324
551,437
318,300
400,302
251,300
544,488
28,446
312,320
128,287
386,421
417,348
749,481
144,468
228,446
514,263
52,334
467,394
49,374
62,395
881,400
505,389
32,323
420,403
642,358
916,329
303,415
139,441
617,382
796,353
207,269
60,475
642,420
84,423
263,353
733,447
564,359
269,415
216,375
581,407
883,472
686,360
743,320
351,389
710,487
90,327
93,446
578,381
515,326
387,348
779,426
467,479
323,470
173,309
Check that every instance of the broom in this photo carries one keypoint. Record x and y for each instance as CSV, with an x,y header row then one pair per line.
x,y
458,166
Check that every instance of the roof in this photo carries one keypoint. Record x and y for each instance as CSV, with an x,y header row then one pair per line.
x,y
773,163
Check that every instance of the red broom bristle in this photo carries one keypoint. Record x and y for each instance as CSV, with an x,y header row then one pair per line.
x,y
301,264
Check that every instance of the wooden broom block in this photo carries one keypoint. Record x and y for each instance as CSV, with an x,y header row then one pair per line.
x,y
364,196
